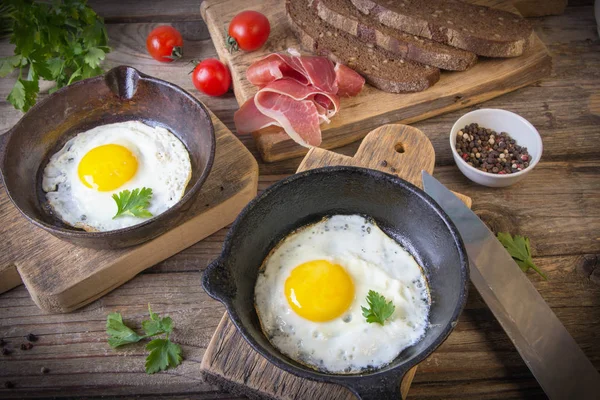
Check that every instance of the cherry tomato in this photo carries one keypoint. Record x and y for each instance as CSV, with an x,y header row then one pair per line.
x,y
248,31
165,43
212,77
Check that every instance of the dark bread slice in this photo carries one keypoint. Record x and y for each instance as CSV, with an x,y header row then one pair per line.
x,y
484,31
380,68
344,16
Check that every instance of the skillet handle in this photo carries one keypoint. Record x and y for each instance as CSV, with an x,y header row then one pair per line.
x,y
387,386
218,283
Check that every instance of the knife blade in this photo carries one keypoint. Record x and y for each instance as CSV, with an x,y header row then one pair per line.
x,y
552,355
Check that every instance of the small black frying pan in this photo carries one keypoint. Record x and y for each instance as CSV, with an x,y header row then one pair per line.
x,y
401,209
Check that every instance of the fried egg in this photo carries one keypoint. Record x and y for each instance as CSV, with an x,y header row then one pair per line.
x,y
312,285
81,178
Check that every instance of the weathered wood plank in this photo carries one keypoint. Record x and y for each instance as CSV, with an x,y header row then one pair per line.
x,y
560,107
155,10
477,359
536,8
147,11
358,115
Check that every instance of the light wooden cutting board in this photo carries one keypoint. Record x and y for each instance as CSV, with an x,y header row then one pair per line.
x,y
489,78
62,277
230,362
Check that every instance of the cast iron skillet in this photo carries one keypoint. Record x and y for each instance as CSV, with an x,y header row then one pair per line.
x,y
122,94
402,210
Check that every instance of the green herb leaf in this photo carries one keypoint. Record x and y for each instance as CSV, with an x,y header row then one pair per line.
x,y
55,65
119,333
379,310
8,64
163,354
519,249
93,57
61,41
23,94
157,325
134,203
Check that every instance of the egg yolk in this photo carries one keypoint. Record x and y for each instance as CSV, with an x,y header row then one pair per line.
x,y
319,290
107,167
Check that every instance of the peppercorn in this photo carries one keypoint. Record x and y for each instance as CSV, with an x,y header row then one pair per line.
x,y
5,351
489,151
9,385
26,346
31,337
45,370
2,342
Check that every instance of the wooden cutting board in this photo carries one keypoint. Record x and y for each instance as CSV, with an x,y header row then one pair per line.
x,y
489,78
62,277
231,363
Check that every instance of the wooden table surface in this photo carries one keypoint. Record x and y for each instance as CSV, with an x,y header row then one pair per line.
x,y
557,206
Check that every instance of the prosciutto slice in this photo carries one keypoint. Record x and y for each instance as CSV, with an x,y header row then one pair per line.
x,y
297,108
350,83
297,93
316,71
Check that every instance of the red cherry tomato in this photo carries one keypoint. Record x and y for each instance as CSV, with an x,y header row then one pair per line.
x,y
248,30
165,43
212,77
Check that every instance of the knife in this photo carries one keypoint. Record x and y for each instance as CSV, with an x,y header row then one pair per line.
x,y
552,355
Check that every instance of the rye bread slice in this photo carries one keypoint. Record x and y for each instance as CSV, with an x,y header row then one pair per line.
x,y
381,69
484,31
344,16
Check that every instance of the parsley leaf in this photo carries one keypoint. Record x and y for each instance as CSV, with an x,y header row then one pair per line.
x,y
157,325
119,333
8,64
163,354
61,41
24,94
520,250
379,310
93,57
134,203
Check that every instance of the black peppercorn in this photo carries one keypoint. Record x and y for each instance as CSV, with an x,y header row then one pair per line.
x,y
490,151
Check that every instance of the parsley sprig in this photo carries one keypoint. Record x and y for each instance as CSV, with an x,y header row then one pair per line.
x,y
134,203
62,41
520,250
379,310
163,352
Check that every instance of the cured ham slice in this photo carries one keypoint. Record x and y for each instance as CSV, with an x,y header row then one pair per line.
x,y
249,119
271,68
299,118
350,83
297,93
316,71
297,108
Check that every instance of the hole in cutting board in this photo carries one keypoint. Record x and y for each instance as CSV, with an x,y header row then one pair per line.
x,y
399,147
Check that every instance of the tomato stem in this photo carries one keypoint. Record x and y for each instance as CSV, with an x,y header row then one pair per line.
x,y
176,53
232,44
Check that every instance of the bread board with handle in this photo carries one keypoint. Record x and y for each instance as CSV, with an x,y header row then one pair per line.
x,y
62,277
489,78
230,362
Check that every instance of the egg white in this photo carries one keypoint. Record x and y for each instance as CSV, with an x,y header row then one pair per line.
x,y
163,165
347,344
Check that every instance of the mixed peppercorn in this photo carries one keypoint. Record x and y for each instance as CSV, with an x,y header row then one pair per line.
x,y
492,152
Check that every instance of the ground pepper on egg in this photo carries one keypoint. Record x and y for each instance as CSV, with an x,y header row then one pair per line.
x,y
489,151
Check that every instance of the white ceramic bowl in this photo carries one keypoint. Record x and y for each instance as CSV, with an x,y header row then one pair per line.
x,y
498,120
